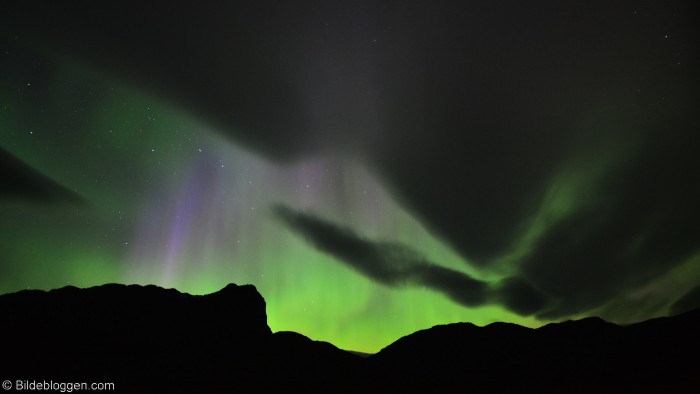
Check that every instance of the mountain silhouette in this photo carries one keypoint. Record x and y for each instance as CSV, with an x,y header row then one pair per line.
x,y
588,355
150,339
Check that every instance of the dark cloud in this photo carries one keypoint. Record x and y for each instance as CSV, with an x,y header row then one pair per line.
x,y
397,265
21,181
457,286
391,264
520,297
467,111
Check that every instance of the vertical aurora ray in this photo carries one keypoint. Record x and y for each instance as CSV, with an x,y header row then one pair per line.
x,y
182,221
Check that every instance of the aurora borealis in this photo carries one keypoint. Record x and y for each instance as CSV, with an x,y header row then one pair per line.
x,y
373,169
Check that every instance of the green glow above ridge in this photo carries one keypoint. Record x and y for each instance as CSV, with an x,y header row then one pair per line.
x,y
170,202
142,167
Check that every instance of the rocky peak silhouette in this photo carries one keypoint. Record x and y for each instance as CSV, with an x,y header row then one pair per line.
x,y
150,339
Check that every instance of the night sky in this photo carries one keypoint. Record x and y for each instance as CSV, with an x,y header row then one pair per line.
x,y
373,168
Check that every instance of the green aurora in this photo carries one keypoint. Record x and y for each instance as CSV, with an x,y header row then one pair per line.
x,y
589,199
134,159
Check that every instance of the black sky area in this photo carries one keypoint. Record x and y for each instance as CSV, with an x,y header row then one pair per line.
x,y
21,181
469,112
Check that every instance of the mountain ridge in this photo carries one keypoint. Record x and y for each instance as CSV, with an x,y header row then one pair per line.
x,y
143,336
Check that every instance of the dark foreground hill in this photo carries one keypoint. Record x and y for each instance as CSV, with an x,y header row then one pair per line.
x,y
148,339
